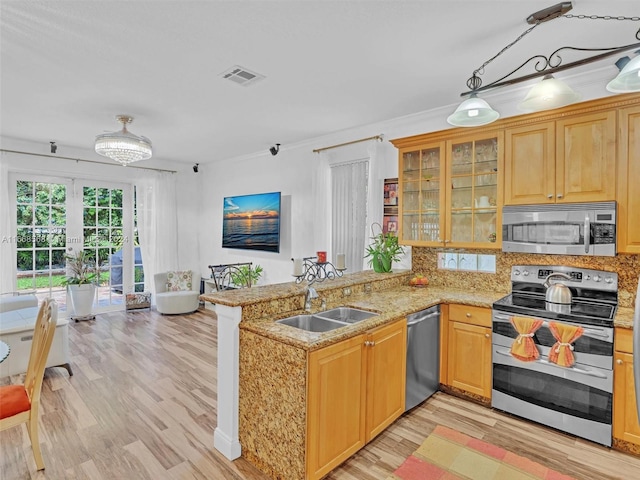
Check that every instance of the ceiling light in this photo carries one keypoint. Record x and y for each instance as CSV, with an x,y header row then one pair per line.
x,y
628,80
550,93
123,146
473,112
547,94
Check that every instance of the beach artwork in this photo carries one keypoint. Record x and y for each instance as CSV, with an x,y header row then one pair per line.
x,y
252,222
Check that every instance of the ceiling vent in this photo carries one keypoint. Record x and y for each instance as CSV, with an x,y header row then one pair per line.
x,y
242,76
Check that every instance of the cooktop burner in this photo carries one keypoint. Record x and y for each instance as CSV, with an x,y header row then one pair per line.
x,y
589,313
594,294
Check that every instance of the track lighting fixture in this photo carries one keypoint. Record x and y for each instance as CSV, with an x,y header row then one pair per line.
x,y
550,92
195,168
274,150
54,147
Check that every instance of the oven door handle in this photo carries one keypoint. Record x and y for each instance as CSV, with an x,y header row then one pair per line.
x,y
591,373
593,332
587,233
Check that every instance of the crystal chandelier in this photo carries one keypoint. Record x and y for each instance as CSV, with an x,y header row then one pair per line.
x,y
123,146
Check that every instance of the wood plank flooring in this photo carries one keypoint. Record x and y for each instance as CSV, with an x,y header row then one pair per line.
x,y
142,405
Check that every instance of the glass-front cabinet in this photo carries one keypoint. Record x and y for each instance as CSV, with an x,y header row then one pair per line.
x,y
449,192
421,195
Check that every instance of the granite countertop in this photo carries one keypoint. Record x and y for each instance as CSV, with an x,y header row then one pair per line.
x,y
391,304
624,318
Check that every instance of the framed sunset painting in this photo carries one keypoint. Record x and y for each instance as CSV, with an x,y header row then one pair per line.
x,y
252,222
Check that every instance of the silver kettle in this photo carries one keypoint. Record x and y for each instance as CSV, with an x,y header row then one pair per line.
x,y
557,292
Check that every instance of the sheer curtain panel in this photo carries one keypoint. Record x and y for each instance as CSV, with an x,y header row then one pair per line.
x,y
349,190
157,225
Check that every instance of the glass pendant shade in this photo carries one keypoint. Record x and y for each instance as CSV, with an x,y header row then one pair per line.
x,y
628,80
473,112
549,93
124,147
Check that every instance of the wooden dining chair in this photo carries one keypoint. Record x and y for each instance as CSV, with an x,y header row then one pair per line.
x,y
20,403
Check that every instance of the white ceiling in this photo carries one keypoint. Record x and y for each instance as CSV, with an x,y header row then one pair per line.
x,y
68,67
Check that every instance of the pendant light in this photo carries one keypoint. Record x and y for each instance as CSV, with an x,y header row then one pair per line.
x,y
473,112
123,146
547,94
628,80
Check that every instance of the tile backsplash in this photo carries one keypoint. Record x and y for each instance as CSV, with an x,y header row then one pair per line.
x,y
425,261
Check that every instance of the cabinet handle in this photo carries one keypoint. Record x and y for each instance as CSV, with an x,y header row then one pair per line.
x,y
468,315
619,362
487,335
550,196
367,343
447,241
559,195
372,343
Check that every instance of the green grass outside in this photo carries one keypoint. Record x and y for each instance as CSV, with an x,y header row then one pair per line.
x,y
42,281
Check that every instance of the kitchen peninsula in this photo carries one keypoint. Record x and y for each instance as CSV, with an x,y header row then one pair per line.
x,y
262,391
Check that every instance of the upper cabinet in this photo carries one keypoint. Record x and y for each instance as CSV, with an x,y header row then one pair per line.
x,y
454,183
450,191
569,160
628,178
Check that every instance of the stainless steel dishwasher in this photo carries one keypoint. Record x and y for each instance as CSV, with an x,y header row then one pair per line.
x,y
423,355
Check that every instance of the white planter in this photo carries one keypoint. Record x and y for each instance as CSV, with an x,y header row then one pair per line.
x,y
82,297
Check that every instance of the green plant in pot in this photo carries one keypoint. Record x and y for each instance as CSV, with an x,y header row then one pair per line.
x,y
246,275
383,250
82,274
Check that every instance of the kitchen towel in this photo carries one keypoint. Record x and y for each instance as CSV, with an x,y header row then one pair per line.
x,y
523,347
562,351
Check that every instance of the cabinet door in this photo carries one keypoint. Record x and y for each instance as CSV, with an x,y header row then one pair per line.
x,y
625,415
386,376
529,169
586,158
628,181
421,195
335,405
473,194
470,358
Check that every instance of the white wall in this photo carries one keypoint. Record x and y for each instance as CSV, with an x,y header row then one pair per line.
x,y
291,173
200,195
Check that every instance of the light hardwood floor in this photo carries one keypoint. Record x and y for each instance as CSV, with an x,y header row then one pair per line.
x,y
142,405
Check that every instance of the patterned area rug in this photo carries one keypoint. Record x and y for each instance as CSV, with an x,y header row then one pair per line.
x,y
450,455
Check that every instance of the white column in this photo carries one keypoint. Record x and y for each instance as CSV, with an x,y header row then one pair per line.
x,y
225,437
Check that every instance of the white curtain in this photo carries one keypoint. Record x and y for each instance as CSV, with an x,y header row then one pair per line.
x,y
157,225
349,191
7,233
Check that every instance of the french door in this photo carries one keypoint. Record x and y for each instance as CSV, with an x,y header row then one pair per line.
x,y
55,216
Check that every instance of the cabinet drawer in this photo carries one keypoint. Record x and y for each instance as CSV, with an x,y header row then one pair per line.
x,y
472,315
624,340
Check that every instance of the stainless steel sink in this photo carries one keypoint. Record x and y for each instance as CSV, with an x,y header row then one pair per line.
x,y
346,314
312,323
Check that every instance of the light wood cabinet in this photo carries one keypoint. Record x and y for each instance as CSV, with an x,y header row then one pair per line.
x,y
450,191
469,349
356,388
628,180
570,160
626,426
529,172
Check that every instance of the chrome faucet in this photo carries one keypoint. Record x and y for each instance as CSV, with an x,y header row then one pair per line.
x,y
310,294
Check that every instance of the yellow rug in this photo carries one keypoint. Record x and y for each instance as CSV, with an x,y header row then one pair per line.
x,y
450,455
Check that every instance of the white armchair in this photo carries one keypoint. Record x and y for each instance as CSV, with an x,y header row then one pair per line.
x,y
177,296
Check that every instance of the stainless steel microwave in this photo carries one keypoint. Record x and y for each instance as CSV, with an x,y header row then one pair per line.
x,y
562,229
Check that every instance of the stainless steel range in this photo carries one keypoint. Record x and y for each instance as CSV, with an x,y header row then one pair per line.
x,y
553,362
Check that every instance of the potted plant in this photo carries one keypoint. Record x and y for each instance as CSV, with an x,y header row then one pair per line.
x,y
383,250
246,275
82,274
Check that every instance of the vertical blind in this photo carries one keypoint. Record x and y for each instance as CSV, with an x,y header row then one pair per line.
x,y
349,211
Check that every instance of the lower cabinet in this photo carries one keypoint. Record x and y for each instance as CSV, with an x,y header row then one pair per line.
x,y
469,349
625,415
356,388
